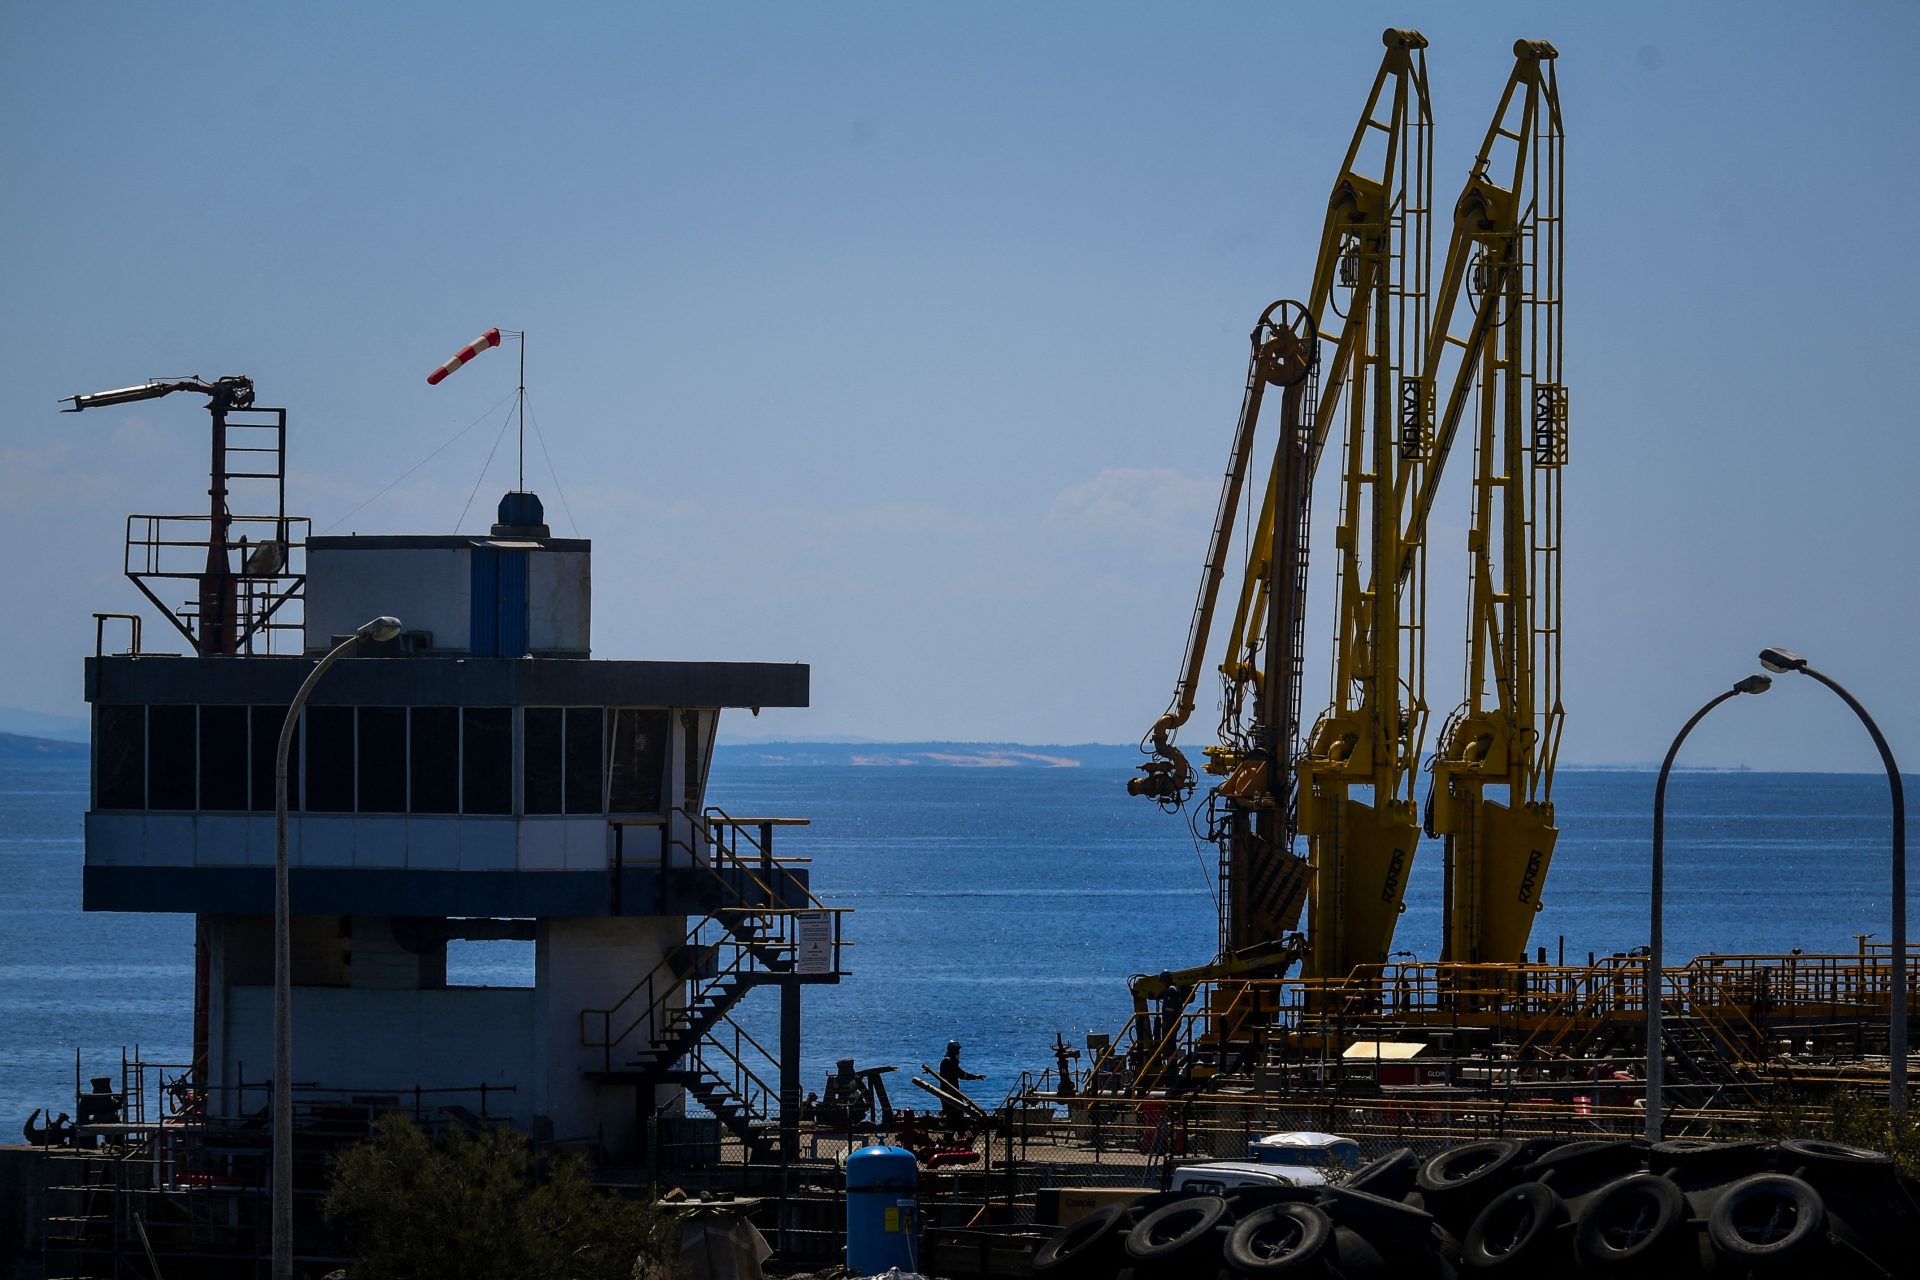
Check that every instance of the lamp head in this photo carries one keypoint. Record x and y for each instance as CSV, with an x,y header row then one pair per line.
x,y
1781,660
381,628
1755,683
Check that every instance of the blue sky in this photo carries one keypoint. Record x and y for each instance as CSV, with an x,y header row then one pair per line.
x,y
906,340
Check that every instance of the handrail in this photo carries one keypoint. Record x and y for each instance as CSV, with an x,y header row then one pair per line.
x,y
714,817
746,1081
682,962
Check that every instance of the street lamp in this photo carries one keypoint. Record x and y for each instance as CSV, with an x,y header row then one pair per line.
x,y
381,628
1783,661
1656,1055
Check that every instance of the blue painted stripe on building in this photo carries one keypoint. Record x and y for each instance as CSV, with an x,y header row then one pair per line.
x,y
483,616
513,604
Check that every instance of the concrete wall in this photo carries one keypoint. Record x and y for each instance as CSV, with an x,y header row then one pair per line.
x,y
559,610
390,1030
592,964
372,1041
429,589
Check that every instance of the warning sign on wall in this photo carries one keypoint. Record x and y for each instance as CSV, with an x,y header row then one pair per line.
x,y
813,936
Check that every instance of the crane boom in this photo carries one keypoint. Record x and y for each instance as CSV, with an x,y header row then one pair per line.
x,y
1506,249
1372,729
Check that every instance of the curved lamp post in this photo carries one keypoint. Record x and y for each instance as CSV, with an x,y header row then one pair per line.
x,y
1781,660
1655,976
381,628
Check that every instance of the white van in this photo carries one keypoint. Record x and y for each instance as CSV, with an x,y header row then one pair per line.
x,y
1218,1176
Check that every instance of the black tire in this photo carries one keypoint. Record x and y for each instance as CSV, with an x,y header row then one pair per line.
x,y
1371,1214
1816,1160
1244,1201
1391,1176
1177,1233
1767,1218
1457,1168
1515,1232
1086,1246
1630,1223
1696,1157
1456,1184
1280,1238
1590,1162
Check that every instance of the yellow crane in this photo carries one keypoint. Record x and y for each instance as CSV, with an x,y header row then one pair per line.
x,y
1492,793
1363,251
1371,732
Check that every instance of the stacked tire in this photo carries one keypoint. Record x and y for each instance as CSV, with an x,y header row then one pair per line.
x,y
1591,1208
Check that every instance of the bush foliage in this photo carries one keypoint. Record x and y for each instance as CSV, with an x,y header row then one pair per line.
x,y
1839,1115
482,1206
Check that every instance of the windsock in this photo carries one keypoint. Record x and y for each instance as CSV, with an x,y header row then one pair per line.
x,y
491,338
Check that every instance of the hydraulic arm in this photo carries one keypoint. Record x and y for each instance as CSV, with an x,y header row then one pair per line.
x,y
1491,799
1284,351
1264,881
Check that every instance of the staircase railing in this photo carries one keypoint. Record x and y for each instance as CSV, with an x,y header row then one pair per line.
x,y
1586,997
736,1074
756,930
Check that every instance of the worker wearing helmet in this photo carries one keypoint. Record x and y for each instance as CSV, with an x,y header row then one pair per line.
x,y
951,1074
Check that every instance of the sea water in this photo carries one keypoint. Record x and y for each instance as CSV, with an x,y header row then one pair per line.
x,y
994,906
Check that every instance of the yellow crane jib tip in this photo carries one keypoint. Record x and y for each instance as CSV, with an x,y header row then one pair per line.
x,y
1535,50
1402,38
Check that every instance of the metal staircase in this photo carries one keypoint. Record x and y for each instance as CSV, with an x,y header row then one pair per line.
x,y
674,1026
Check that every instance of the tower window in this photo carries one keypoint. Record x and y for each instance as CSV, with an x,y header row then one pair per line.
x,y
329,759
541,759
172,750
120,758
223,758
433,753
383,760
486,760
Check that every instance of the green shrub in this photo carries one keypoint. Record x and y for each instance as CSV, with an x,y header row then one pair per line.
x,y
481,1206
1839,1115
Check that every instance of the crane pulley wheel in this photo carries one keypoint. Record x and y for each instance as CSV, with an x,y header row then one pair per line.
x,y
1286,343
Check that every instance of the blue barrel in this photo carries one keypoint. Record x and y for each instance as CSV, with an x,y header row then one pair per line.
x,y
882,1210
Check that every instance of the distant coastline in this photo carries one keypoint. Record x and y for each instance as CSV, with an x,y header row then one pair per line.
x,y
18,746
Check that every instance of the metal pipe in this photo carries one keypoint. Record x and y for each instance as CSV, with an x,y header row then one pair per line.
x,y
382,628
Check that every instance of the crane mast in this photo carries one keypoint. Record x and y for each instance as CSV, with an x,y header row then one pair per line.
x,y
1371,732
1492,794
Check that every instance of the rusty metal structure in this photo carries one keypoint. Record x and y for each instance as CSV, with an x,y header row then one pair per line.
x,y
245,567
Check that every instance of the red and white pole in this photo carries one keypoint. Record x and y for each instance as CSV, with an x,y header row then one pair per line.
x,y
491,338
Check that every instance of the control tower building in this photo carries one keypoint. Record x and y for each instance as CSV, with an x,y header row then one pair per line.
x,y
477,776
